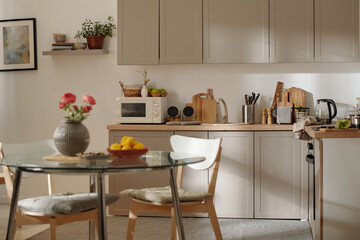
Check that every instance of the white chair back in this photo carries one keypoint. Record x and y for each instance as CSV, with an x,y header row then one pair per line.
x,y
204,147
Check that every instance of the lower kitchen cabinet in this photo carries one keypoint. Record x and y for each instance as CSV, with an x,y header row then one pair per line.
x,y
261,174
281,184
234,187
337,192
118,182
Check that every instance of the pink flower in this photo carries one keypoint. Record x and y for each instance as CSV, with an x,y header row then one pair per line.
x,y
89,99
87,108
76,113
61,105
68,98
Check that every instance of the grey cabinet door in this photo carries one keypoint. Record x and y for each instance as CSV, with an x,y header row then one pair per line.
x,y
278,176
291,31
181,31
156,178
138,32
234,187
236,31
336,30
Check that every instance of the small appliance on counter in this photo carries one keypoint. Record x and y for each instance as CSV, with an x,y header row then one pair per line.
x,y
173,114
141,109
186,118
325,110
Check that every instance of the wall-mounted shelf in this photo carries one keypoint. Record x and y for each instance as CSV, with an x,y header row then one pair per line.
x,y
76,52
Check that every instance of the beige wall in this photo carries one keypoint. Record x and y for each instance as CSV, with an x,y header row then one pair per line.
x,y
29,99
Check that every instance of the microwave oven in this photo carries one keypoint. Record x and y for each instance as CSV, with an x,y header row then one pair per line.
x,y
141,109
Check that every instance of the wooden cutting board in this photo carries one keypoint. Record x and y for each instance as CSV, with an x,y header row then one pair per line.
x,y
278,88
197,105
208,108
297,96
285,102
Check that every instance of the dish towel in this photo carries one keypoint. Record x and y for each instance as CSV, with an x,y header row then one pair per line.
x,y
299,127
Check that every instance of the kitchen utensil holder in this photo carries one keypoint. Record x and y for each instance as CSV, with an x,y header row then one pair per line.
x,y
248,114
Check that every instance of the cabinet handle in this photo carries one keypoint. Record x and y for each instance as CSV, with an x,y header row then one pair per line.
x,y
310,158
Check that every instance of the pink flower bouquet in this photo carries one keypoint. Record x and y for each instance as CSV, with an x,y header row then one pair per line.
x,y
73,112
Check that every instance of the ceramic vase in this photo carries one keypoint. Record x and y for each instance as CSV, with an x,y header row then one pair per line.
x,y
144,91
71,138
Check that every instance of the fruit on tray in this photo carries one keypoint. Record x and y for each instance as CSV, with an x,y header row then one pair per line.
x,y
127,143
343,124
155,92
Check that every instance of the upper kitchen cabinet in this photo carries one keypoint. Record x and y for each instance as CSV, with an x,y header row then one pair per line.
x,y
178,23
336,30
181,31
138,32
236,31
291,31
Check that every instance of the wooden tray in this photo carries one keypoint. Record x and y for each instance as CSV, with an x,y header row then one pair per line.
x,y
339,130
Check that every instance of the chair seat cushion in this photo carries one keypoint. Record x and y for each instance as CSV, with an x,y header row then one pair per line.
x,y
162,195
64,203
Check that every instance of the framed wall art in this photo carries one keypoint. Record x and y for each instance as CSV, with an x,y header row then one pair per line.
x,y
18,44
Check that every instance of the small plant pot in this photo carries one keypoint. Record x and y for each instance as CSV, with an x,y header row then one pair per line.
x,y
95,42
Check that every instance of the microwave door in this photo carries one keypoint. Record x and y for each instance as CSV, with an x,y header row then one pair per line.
x,y
135,112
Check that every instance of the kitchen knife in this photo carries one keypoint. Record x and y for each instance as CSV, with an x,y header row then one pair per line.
x,y
257,97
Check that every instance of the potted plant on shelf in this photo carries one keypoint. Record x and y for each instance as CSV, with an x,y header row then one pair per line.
x,y
95,32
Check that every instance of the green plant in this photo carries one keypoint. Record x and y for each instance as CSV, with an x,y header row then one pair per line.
x,y
301,109
90,28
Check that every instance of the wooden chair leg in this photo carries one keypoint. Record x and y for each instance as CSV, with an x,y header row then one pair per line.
x,y
174,235
133,214
213,218
52,229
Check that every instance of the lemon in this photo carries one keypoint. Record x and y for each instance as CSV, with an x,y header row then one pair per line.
x,y
129,141
115,146
123,139
139,145
126,147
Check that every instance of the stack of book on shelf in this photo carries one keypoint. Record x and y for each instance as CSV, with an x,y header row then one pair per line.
x,y
63,46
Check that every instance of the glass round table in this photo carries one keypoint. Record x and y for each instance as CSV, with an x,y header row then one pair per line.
x,y
96,167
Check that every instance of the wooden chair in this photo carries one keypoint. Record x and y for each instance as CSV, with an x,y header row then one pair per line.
x,y
193,202
26,217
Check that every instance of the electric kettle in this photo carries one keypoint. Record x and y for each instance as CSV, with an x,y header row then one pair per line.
x,y
221,118
323,110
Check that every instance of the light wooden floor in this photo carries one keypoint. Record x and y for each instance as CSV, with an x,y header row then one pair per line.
x,y
21,233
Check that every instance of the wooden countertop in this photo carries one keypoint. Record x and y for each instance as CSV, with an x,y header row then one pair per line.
x,y
202,127
319,134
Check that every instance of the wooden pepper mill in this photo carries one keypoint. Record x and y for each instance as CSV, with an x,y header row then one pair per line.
x,y
269,117
263,113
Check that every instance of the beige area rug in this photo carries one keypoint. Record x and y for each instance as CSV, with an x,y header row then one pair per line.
x,y
151,228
